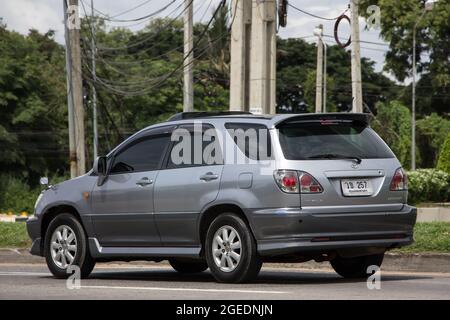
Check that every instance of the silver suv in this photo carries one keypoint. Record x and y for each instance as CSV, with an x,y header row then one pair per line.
x,y
231,191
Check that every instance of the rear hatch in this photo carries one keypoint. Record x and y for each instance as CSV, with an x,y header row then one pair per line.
x,y
352,164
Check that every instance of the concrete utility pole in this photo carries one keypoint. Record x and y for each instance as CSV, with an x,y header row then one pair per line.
x,y
94,78
72,148
73,26
356,59
240,55
188,92
263,57
319,72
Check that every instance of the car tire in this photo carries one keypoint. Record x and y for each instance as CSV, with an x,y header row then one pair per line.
x,y
183,266
356,268
65,238
230,261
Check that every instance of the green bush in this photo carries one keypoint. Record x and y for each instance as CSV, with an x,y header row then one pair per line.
x,y
428,185
17,196
444,157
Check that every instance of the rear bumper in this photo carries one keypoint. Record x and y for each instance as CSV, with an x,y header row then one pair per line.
x,y
292,230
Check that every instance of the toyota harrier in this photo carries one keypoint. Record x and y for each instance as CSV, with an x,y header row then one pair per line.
x,y
231,191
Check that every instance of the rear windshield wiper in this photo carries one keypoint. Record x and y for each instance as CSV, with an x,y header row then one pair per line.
x,y
336,156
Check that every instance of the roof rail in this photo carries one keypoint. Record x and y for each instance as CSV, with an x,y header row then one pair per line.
x,y
197,115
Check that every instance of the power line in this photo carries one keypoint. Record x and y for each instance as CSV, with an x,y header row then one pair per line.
x,y
141,61
156,82
132,45
165,77
150,15
131,9
362,41
120,25
143,79
314,15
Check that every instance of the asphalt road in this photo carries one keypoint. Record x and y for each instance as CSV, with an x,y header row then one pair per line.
x,y
25,281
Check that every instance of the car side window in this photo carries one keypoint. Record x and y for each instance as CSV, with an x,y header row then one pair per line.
x,y
213,159
243,135
141,155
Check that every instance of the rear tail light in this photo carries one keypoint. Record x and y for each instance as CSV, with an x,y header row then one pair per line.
x,y
399,181
308,184
287,180
294,181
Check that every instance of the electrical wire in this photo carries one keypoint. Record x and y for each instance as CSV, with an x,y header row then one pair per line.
x,y
116,84
362,41
134,44
150,15
131,9
314,15
164,78
141,61
120,25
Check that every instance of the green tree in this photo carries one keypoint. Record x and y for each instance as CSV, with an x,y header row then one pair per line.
x,y
430,137
444,157
296,67
398,19
393,124
33,126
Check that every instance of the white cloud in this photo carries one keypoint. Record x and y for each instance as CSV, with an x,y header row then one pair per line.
x,y
22,15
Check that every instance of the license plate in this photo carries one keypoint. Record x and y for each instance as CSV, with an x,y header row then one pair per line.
x,y
356,187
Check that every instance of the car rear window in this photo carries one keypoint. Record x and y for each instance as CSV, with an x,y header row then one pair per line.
x,y
319,140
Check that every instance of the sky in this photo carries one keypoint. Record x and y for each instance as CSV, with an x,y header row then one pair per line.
x,y
22,15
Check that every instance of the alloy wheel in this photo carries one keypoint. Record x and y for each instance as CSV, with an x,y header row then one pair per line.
x,y
63,246
226,248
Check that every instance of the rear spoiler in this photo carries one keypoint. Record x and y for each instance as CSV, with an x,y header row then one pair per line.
x,y
363,119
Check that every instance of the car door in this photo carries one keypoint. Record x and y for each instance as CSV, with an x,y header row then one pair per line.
x,y
123,211
182,191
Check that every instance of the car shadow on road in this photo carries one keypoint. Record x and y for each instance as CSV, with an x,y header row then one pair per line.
x,y
265,277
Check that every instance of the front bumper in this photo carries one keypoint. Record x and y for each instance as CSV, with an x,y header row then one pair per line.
x,y
293,230
34,231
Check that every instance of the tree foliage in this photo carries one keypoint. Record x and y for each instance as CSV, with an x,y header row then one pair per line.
x,y
444,157
398,19
33,131
393,124
431,133
296,82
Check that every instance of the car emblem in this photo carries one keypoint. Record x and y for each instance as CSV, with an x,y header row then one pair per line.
x,y
355,166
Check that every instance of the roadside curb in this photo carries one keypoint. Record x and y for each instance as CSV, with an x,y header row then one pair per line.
x,y
408,262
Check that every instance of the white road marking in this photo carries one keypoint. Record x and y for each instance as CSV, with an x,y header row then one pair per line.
x,y
25,274
184,289
33,274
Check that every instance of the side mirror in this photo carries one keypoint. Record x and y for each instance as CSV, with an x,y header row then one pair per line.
x,y
99,167
43,181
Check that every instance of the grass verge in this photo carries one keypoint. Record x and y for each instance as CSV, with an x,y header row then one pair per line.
x,y
429,237
14,235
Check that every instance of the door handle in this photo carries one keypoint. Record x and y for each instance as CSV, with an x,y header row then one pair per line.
x,y
144,182
209,176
